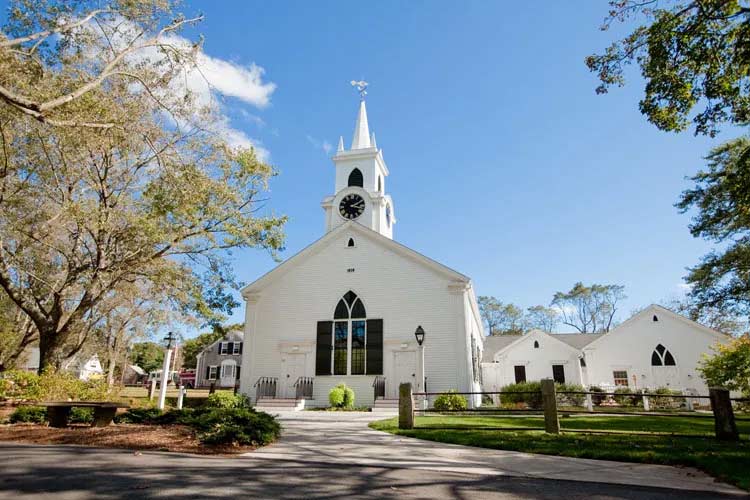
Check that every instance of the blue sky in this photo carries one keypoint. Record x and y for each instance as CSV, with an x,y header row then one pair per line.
x,y
505,164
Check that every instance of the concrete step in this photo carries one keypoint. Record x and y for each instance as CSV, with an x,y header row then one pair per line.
x,y
385,405
280,404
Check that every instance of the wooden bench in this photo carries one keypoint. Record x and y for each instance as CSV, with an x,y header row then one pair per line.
x,y
58,412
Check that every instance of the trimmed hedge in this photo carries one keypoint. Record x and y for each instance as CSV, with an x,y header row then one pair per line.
x,y
50,386
510,398
226,419
235,426
341,396
450,401
29,415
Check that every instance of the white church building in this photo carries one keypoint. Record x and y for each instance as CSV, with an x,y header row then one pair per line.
x,y
655,348
346,308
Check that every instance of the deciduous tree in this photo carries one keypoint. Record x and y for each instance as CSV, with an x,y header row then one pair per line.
x,y
721,203
730,366
589,309
693,53
85,211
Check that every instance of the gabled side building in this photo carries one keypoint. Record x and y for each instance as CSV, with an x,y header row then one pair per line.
x,y
220,362
654,348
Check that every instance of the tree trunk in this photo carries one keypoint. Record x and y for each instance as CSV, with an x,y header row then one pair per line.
x,y
49,350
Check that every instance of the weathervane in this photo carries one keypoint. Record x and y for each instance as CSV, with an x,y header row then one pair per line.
x,y
361,88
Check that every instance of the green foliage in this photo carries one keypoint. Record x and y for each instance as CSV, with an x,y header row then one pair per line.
x,y
589,309
81,415
730,366
51,386
690,53
450,401
570,399
624,396
721,205
28,414
665,399
597,398
147,355
341,396
226,399
148,416
235,426
511,395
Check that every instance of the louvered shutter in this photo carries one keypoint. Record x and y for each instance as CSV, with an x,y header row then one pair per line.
x,y
208,372
323,348
241,344
374,347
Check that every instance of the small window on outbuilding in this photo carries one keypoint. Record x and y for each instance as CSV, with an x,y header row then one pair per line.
x,y
351,242
536,344
656,318
356,179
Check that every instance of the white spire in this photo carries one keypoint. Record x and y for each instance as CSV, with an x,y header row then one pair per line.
x,y
361,139
341,144
373,144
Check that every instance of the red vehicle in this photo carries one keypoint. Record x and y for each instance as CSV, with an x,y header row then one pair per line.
x,y
186,378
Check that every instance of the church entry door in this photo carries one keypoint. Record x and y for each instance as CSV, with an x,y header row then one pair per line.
x,y
292,368
404,370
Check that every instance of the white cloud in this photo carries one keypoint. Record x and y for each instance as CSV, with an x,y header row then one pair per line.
x,y
324,145
210,79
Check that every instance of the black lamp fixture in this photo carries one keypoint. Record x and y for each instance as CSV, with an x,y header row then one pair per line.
x,y
171,337
419,334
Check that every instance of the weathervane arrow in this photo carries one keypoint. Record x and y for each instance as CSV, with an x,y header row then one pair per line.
x,y
361,88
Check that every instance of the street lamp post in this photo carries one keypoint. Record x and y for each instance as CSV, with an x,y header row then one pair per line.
x,y
165,369
421,386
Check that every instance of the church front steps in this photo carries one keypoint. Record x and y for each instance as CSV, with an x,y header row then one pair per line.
x,y
385,405
280,404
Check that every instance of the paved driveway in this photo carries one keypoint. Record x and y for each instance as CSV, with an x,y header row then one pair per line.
x,y
329,455
344,438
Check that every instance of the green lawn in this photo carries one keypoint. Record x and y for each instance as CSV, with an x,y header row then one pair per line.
x,y
727,461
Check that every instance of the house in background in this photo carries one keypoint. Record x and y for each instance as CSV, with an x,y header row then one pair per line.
x,y
133,375
654,348
220,362
85,368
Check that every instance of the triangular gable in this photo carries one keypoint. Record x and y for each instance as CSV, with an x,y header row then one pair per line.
x,y
320,244
535,333
657,309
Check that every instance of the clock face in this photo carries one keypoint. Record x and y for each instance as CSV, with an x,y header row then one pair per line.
x,y
351,206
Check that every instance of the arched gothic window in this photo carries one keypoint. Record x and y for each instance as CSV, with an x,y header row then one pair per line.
x,y
349,316
351,242
356,179
662,357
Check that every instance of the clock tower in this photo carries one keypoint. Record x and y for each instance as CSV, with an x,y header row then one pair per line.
x,y
360,181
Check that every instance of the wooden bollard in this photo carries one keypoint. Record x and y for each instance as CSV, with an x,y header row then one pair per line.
x,y
152,390
405,407
724,424
549,401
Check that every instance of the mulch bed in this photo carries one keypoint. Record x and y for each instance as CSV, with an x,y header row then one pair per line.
x,y
175,438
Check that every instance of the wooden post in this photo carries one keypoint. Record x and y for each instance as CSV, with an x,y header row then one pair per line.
x,y
724,424
549,400
152,390
57,416
212,388
646,405
589,402
688,401
405,406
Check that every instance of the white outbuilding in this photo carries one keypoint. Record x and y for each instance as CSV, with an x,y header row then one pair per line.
x,y
654,348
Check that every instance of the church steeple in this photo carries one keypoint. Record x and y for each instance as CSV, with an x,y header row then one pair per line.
x,y
360,187
361,139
